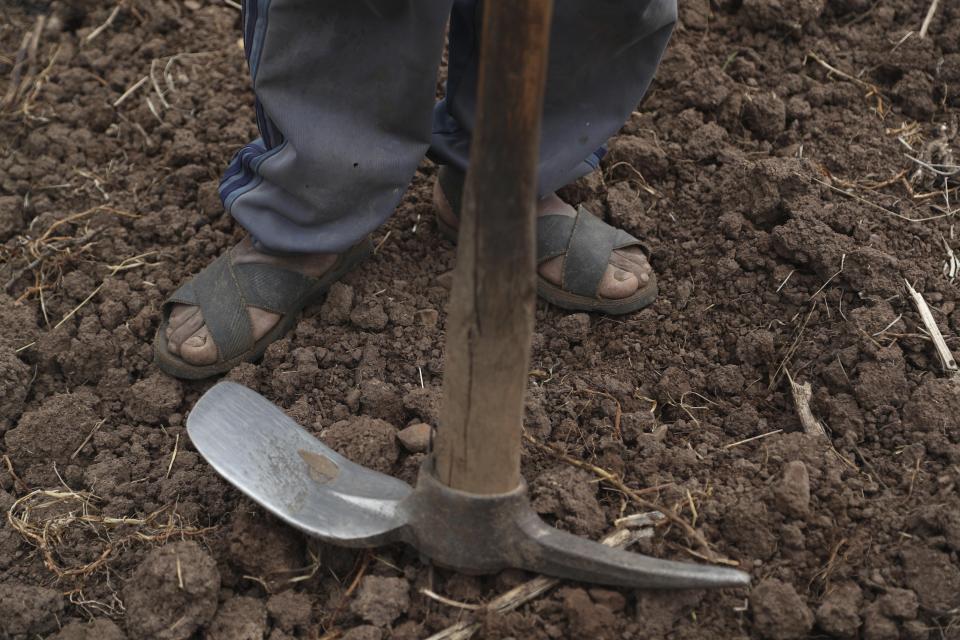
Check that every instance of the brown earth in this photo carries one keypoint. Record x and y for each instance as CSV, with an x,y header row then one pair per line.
x,y
731,170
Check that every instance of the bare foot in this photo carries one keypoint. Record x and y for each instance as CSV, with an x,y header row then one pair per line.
x,y
628,269
188,337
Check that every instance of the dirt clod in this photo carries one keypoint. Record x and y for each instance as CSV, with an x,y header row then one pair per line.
x,y
364,632
793,492
11,216
899,603
765,115
262,549
51,433
933,576
99,629
381,600
588,619
569,495
338,304
289,609
153,399
370,315
839,614
779,613
28,610
14,384
172,593
379,399
369,442
239,618
877,626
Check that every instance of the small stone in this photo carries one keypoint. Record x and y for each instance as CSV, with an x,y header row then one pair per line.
x,y
779,613
839,614
428,317
338,304
381,600
416,437
792,495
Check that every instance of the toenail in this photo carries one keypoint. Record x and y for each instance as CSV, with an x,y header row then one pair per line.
x,y
195,341
620,276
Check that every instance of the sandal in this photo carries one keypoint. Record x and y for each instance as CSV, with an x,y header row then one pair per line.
x,y
585,242
224,290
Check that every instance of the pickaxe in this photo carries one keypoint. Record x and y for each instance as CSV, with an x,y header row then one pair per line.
x,y
469,510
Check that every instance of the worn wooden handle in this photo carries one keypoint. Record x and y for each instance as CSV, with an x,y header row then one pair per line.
x,y
491,317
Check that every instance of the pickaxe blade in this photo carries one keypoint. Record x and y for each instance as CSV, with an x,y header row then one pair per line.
x,y
277,463
265,454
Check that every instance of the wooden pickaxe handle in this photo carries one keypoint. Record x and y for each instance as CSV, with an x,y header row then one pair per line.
x,y
492,304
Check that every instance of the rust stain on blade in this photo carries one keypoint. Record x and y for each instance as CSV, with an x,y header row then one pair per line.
x,y
320,467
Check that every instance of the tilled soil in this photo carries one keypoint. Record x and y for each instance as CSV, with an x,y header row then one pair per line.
x,y
782,214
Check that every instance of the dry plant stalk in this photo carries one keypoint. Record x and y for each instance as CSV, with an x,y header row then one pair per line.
x,y
928,18
947,361
531,589
634,495
801,400
26,57
43,517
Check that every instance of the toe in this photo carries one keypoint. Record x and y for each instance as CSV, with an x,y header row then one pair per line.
x,y
619,280
181,332
180,313
552,270
199,349
617,283
634,261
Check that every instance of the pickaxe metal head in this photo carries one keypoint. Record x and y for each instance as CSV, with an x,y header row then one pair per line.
x,y
265,454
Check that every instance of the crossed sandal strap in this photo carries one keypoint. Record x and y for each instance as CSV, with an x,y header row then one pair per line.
x,y
586,243
224,290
